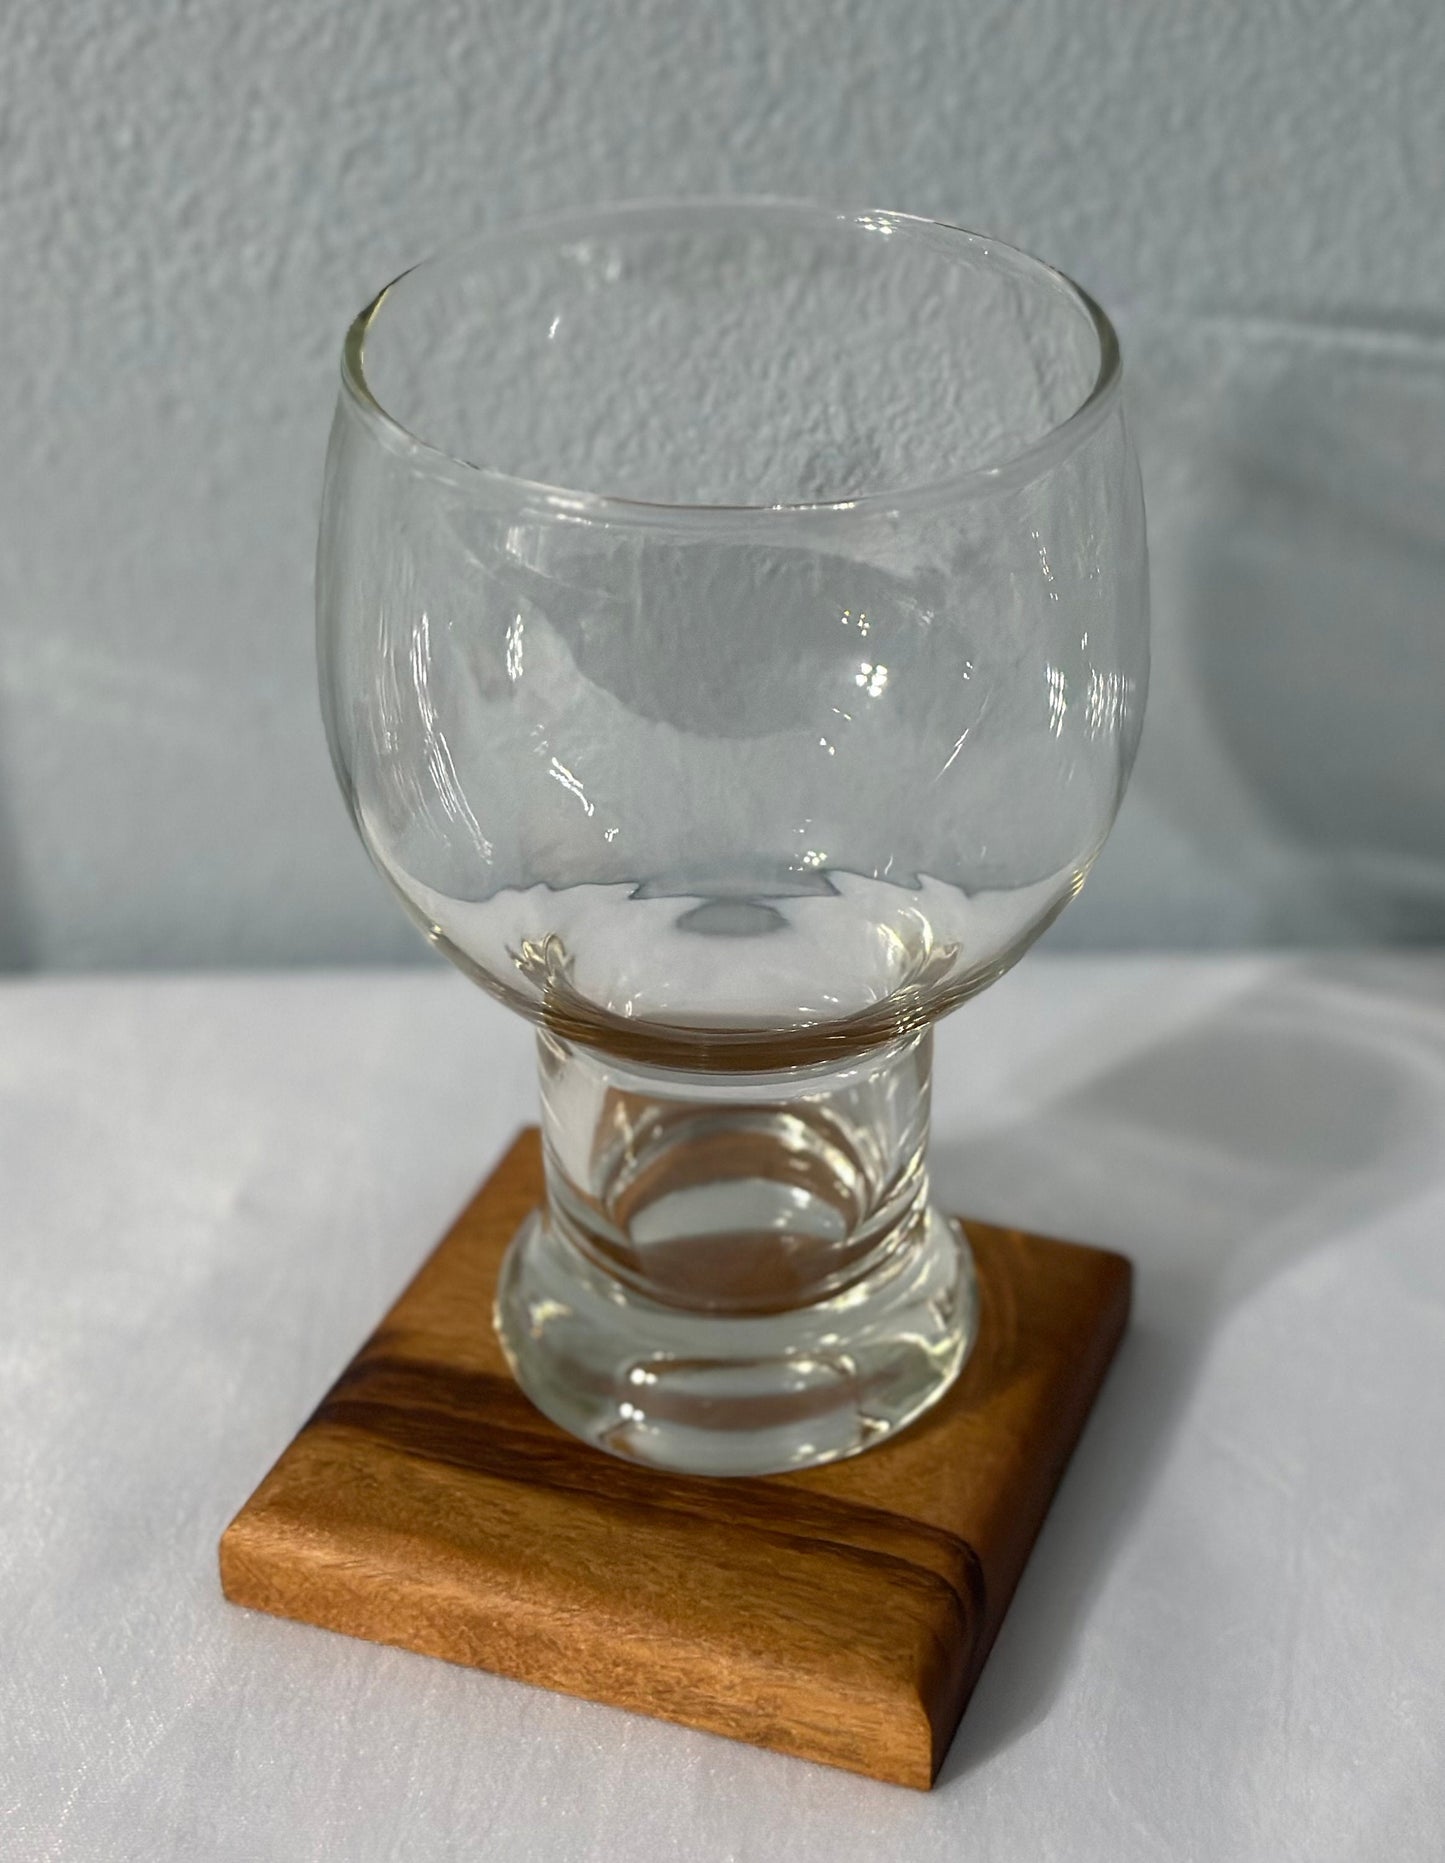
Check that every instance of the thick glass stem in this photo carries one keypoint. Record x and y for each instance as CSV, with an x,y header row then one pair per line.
x,y
736,1273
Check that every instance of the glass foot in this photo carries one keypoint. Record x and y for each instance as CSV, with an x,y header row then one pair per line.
x,y
738,1393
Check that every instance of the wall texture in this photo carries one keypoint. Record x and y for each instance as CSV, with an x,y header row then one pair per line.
x,y
196,197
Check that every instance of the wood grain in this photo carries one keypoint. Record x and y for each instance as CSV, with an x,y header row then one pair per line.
x,y
842,1614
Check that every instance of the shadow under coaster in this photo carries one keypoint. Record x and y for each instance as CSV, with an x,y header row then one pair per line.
x,y
842,1614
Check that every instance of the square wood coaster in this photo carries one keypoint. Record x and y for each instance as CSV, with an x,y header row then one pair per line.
x,y
842,1614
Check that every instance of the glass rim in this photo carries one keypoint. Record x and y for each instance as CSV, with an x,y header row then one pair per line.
x,y
1027,463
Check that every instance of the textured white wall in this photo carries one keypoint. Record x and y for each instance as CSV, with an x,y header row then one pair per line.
x,y
196,197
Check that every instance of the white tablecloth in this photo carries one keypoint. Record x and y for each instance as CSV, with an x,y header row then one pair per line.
x,y
1230,1642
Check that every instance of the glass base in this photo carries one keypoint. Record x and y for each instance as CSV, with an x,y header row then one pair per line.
x,y
710,1393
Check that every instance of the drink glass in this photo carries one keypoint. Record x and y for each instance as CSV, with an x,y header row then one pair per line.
x,y
733,646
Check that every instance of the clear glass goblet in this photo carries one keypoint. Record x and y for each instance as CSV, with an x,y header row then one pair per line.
x,y
733,644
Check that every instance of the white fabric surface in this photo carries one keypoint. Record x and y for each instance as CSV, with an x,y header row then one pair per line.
x,y
1230,1642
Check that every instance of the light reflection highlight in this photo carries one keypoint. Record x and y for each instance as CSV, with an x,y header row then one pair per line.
x,y
436,752
1058,698
559,773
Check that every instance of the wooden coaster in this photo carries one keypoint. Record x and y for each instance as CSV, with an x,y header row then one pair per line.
x,y
842,1614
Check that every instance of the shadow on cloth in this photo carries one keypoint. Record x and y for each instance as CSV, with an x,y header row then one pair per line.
x,y
1263,1132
